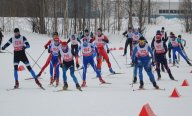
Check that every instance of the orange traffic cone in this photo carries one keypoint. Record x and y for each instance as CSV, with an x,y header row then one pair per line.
x,y
185,83
175,93
21,68
146,111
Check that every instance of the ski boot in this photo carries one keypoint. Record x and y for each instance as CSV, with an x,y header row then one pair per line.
x,y
189,63
111,71
124,54
65,87
101,80
16,84
38,83
173,63
159,78
78,87
155,85
141,85
84,84
134,80
57,82
51,81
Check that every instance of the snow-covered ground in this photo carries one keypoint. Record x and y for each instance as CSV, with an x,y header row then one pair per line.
x,y
116,99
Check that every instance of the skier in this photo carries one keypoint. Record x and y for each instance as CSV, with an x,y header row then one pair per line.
x,y
20,43
55,34
67,62
176,46
1,37
160,50
141,58
182,44
87,50
136,36
172,35
74,45
159,33
100,39
54,50
164,34
129,39
87,34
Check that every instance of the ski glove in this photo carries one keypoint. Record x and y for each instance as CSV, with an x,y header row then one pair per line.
x,y
61,65
3,48
108,51
77,65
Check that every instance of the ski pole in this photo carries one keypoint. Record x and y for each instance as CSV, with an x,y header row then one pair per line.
x,y
38,58
32,59
115,59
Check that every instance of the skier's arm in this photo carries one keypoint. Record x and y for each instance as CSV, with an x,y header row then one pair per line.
x,y
184,42
7,44
93,39
47,44
165,47
68,40
125,33
151,52
152,43
79,40
106,39
26,43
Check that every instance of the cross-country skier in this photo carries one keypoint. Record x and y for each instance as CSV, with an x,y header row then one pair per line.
x,y
129,39
159,33
88,49
141,58
54,48
68,63
160,50
20,43
136,36
55,34
74,45
100,39
176,47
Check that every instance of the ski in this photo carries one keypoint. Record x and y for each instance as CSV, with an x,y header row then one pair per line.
x,y
32,78
12,89
114,74
149,89
62,90
42,88
105,83
3,52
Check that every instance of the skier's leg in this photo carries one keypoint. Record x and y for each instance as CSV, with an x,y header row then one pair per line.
x,y
72,70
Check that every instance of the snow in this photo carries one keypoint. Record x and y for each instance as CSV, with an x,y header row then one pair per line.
x,y
116,99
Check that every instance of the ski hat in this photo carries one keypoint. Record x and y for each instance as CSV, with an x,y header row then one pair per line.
x,y
158,37
171,33
56,39
16,30
99,29
179,36
141,38
73,36
86,30
162,28
55,33
158,32
130,28
64,43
